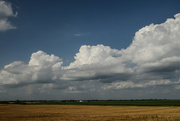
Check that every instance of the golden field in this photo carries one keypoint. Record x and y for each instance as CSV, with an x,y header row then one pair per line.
x,y
83,113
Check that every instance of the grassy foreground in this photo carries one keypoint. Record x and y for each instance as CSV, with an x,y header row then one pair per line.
x,y
85,113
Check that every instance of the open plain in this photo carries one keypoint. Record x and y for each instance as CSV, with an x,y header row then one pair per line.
x,y
14,112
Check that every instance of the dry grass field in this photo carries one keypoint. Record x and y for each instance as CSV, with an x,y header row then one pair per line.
x,y
83,113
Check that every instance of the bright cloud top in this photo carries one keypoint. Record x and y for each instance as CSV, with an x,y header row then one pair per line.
x,y
6,11
152,59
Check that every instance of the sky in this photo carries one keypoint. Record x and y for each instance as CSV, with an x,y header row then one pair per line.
x,y
89,49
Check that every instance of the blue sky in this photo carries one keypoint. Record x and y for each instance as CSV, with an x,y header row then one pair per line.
x,y
52,26
76,32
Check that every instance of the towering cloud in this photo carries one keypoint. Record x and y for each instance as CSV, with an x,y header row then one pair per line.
x,y
155,48
6,11
155,42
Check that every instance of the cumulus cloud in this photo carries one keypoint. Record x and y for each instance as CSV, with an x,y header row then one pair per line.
x,y
155,42
94,55
97,62
43,60
6,11
151,60
154,49
40,69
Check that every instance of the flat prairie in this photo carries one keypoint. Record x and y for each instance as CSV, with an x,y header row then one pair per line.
x,y
13,112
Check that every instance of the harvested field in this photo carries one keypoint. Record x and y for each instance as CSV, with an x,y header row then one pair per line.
x,y
73,112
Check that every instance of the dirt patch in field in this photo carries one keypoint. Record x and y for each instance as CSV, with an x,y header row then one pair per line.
x,y
81,113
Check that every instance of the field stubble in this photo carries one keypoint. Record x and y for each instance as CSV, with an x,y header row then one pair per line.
x,y
78,113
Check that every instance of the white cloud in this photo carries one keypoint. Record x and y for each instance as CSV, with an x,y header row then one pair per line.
x,y
154,53
78,35
96,62
94,55
44,66
41,59
15,73
81,34
100,59
155,42
6,11
41,69
151,60
155,48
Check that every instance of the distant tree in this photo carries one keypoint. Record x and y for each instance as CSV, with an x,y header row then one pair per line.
x,y
17,102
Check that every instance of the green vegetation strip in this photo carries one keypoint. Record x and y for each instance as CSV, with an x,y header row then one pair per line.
x,y
100,102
